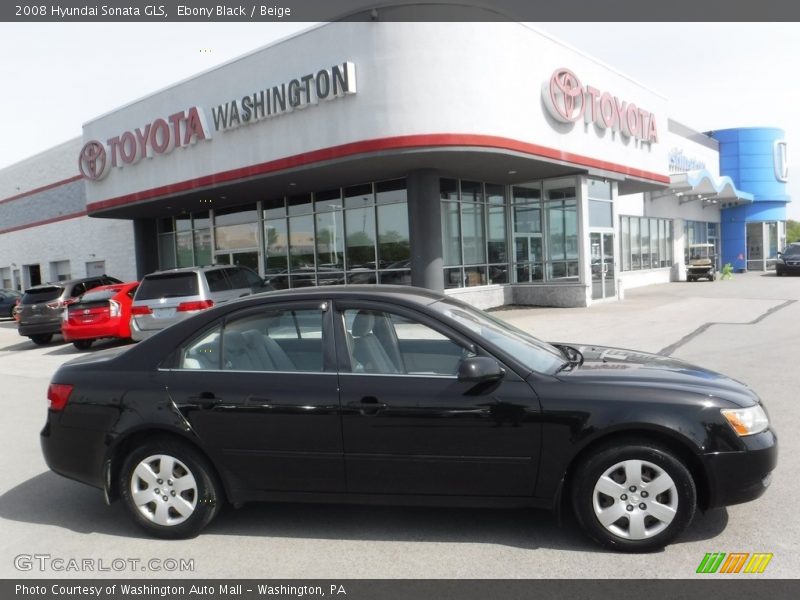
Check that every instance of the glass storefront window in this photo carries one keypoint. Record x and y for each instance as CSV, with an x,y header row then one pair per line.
x,y
166,251
448,189
625,234
472,234
600,214
471,191
202,247
451,234
330,240
236,237
394,247
357,196
646,243
388,192
562,229
497,234
274,208
276,240
301,243
299,205
328,200
360,243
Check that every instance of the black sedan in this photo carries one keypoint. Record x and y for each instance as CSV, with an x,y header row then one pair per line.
x,y
8,300
391,394
788,261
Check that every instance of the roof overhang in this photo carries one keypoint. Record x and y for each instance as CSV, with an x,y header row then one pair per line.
x,y
703,186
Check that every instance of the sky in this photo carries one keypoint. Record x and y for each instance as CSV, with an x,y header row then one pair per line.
x,y
56,76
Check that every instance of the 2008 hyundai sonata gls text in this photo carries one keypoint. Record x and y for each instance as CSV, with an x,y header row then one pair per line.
x,y
400,395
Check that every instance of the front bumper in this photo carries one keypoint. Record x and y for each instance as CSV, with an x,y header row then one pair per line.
x,y
742,476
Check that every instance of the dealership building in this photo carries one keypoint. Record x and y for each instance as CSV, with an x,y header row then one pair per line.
x,y
488,160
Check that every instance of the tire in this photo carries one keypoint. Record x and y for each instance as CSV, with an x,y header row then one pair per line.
x,y
712,277
779,273
42,339
82,344
185,512
601,490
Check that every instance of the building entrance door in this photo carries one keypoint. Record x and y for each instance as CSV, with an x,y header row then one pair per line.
x,y
528,257
604,281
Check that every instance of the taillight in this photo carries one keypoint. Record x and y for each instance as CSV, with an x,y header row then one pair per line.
x,y
114,308
58,395
56,304
196,305
141,310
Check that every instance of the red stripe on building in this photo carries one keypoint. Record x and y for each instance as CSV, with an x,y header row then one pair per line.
x,y
441,140
82,213
49,186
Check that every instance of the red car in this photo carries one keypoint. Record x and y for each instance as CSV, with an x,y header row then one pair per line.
x,y
103,312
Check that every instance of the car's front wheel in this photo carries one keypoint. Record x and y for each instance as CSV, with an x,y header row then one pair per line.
x,y
634,496
169,488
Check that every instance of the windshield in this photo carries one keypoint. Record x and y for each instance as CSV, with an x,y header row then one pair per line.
x,y
793,250
536,354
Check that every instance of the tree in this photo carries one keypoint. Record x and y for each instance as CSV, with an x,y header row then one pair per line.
x,y
792,231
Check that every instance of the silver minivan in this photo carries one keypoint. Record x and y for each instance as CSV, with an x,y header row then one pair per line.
x,y
166,297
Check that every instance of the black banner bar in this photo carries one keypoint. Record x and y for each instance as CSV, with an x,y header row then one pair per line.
x,y
399,10
743,587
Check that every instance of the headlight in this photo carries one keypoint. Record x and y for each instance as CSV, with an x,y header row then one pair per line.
x,y
746,421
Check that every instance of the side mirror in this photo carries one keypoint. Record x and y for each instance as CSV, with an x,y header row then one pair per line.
x,y
480,369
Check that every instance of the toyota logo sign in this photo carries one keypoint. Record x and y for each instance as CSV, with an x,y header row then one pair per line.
x,y
93,161
566,96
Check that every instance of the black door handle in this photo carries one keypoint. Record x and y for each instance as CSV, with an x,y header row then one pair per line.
x,y
369,405
206,400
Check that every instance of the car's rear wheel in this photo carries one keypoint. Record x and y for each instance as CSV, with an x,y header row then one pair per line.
x,y
634,496
169,488
42,339
82,344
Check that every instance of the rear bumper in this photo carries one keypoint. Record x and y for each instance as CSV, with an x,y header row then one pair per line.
x,y
28,329
74,453
91,332
736,477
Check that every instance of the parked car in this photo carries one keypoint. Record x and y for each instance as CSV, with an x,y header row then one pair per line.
x,y
166,297
788,261
42,307
8,300
701,262
402,395
104,312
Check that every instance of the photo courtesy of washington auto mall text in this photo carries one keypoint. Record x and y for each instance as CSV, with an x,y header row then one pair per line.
x,y
172,591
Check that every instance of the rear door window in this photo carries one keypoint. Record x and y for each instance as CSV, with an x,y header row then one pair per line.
x,y
39,295
168,285
217,282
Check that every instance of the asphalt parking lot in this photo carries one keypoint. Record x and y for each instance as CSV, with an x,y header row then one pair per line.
x,y
748,328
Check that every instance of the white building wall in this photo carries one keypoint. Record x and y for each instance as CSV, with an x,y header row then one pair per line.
x,y
79,240
51,166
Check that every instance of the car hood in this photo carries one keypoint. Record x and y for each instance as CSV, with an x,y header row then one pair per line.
x,y
616,366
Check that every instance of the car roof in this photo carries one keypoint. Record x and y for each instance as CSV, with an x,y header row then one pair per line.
x,y
406,293
63,283
204,268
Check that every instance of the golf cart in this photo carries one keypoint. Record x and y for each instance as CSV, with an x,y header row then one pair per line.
x,y
701,262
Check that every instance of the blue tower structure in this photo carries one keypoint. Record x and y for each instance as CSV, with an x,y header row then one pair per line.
x,y
755,159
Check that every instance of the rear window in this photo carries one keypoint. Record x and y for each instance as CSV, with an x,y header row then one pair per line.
x,y
44,294
99,296
168,285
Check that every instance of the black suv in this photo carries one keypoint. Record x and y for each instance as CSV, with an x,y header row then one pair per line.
x,y
41,309
788,261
